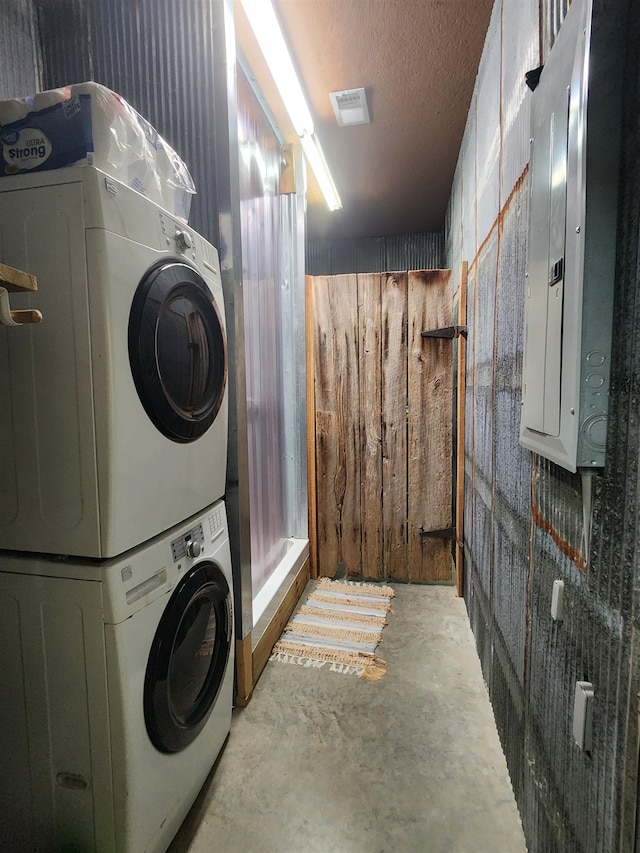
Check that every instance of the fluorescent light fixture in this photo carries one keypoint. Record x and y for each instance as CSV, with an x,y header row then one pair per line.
x,y
266,29
315,155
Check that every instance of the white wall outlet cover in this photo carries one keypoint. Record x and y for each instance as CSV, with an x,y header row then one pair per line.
x,y
583,715
557,597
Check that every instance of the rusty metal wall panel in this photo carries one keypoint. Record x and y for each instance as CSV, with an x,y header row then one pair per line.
x,y
484,331
511,490
484,322
532,512
376,254
584,793
160,56
469,459
512,464
19,50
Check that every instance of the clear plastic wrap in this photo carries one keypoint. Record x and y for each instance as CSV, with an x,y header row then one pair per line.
x,y
88,123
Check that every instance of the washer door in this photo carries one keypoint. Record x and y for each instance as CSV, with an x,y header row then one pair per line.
x,y
177,351
188,658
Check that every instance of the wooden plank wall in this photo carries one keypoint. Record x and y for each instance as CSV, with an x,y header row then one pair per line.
x,y
337,396
430,425
394,420
383,424
370,368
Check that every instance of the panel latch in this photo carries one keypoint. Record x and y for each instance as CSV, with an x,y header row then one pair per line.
x,y
556,272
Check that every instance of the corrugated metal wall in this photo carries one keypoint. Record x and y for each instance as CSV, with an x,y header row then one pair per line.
x,y
273,309
260,226
19,51
294,398
160,57
375,254
523,515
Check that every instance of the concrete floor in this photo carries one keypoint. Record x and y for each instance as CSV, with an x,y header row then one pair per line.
x,y
321,761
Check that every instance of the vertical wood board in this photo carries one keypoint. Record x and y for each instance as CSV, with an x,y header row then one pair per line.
x,y
337,424
394,424
460,426
264,644
329,518
370,365
244,671
430,388
311,428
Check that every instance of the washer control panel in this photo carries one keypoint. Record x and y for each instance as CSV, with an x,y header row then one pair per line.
x,y
176,237
190,544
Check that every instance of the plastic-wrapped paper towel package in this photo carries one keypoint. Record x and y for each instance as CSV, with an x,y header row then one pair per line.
x,y
88,123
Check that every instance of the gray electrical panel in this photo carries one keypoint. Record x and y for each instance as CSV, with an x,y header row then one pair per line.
x,y
575,129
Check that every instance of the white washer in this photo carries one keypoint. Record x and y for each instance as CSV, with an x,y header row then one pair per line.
x,y
117,685
113,424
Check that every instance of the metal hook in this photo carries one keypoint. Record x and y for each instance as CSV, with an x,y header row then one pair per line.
x,y
17,317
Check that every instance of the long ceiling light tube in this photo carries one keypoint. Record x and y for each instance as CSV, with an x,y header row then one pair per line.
x,y
315,155
265,26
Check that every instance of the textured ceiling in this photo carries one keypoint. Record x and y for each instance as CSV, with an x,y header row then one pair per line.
x,y
417,60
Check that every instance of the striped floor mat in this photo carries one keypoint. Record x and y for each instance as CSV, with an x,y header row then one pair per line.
x,y
339,624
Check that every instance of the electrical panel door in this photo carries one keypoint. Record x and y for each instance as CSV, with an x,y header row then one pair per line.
x,y
571,250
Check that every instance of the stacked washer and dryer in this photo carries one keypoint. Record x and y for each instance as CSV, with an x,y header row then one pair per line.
x,y
116,628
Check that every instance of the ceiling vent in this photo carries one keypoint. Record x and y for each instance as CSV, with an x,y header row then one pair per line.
x,y
350,107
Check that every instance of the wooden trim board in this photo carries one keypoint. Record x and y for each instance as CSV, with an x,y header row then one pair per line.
x,y
269,637
244,671
311,429
460,426
17,281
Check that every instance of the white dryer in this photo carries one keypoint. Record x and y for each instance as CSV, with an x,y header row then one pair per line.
x,y
117,686
113,423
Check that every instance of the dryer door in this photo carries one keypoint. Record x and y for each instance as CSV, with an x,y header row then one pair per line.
x,y
188,658
177,350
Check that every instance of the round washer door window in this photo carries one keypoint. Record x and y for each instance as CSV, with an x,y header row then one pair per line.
x,y
188,659
177,351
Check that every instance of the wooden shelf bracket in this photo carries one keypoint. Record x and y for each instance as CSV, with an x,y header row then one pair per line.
x,y
449,332
16,281
444,533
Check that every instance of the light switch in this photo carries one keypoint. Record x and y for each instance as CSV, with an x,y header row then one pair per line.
x,y
557,596
583,714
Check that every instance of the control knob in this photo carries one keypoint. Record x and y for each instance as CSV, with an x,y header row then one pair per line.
x,y
184,240
193,548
